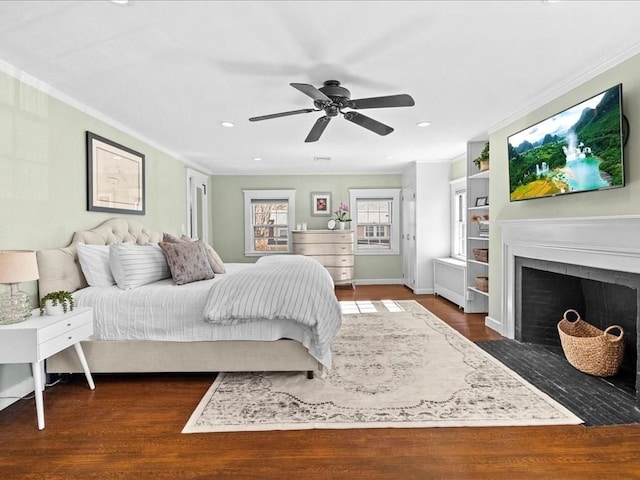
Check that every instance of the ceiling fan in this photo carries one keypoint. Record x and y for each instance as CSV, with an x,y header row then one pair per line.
x,y
332,99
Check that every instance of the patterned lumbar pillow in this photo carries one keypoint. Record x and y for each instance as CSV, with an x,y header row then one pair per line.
x,y
187,261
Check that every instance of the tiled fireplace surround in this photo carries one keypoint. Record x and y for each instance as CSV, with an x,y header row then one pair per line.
x,y
594,248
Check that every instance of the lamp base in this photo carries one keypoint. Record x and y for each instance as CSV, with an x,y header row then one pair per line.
x,y
14,307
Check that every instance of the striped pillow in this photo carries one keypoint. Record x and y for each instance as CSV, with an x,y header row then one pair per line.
x,y
136,265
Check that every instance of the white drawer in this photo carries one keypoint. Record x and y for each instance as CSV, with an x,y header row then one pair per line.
x,y
334,260
323,248
322,237
65,340
70,322
341,274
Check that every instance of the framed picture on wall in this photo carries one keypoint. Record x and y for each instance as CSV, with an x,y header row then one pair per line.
x,y
115,177
321,204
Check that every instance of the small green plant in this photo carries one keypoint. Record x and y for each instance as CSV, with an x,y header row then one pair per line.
x,y
484,156
65,299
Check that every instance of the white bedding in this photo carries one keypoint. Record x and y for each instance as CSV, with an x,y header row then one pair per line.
x,y
177,314
290,287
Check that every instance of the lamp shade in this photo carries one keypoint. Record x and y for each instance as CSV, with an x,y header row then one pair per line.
x,y
17,266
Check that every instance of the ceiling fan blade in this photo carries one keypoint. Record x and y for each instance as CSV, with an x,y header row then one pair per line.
x,y
311,91
317,129
282,114
368,123
402,100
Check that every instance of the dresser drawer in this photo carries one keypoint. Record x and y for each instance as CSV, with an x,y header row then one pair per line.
x,y
323,248
334,260
341,274
328,236
65,340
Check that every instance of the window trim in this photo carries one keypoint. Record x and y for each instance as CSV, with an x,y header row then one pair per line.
x,y
356,194
251,195
457,186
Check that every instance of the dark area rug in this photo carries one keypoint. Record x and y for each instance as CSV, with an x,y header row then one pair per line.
x,y
597,401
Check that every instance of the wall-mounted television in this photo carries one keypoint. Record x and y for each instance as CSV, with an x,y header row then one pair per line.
x,y
579,149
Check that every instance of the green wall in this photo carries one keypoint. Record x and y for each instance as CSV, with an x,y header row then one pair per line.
x,y
622,201
43,180
227,212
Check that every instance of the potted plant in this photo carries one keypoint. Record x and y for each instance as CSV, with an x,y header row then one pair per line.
x,y
342,215
482,162
56,303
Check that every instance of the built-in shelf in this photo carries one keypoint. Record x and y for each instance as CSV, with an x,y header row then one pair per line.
x,y
470,260
474,289
479,175
477,192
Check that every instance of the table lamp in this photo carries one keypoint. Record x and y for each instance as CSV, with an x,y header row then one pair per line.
x,y
16,266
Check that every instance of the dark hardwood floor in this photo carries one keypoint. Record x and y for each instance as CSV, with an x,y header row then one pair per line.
x,y
129,428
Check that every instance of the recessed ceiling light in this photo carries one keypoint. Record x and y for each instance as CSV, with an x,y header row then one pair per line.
x,y
388,157
423,124
227,124
120,2
257,159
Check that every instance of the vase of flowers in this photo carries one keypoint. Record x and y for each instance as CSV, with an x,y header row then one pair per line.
x,y
342,215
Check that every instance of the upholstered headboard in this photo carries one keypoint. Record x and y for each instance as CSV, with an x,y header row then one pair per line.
x,y
59,268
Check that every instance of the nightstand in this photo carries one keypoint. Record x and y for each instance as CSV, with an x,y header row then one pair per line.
x,y
37,338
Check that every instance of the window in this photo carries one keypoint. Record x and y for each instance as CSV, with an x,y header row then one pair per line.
x,y
269,217
459,219
375,216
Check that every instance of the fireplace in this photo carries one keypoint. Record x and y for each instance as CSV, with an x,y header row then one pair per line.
x,y
589,264
602,298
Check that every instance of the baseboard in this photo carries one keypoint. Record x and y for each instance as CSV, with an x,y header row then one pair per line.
x,y
378,281
494,325
423,291
14,393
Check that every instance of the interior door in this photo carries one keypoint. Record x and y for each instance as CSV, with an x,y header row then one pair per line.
x,y
409,236
197,206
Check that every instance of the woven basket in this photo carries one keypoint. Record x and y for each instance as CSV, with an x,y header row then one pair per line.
x,y
588,348
481,254
482,283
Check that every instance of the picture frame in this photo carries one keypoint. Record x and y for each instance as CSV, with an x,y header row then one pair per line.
x,y
115,177
321,204
482,201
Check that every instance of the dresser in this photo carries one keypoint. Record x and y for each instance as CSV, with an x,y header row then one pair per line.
x,y
332,248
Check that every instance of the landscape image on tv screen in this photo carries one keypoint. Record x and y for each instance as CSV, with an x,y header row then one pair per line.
x,y
579,149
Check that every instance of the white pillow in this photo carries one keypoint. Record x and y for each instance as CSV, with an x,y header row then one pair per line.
x,y
136,265
94,261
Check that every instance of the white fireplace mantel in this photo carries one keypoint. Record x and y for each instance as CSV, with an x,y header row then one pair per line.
x,y
611,243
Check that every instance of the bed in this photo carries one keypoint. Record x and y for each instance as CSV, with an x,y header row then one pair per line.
x,y
164,327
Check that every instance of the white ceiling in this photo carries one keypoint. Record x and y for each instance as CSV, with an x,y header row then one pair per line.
x,y
171,71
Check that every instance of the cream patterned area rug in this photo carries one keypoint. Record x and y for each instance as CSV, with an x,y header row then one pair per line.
x,y
402,369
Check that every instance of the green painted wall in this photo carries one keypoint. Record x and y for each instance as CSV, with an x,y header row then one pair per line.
x,y
622,201
43,179
227,212
458,169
